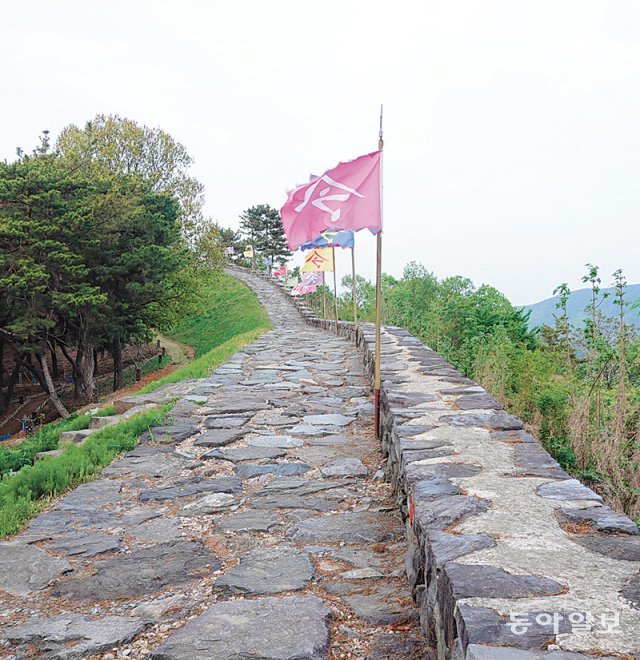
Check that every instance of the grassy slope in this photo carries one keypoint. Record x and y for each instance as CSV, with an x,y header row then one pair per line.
x,y
228,317
228,308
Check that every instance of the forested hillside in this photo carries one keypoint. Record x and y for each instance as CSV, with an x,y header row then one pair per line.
x,y
545,311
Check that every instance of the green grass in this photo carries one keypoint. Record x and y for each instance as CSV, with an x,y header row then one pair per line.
x,y
229,316
24,494
45,439
106,411
227,308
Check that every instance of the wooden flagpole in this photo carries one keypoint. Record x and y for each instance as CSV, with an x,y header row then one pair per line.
x,y
353,292
376,382
324,297
335,284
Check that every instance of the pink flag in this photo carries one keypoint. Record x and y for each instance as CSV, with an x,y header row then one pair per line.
x,y
308,283
346,197
281,272
312,278
302,289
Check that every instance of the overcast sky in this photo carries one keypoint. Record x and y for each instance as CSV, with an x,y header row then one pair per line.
x,y
512,127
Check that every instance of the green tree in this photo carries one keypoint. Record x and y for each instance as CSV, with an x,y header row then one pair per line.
x,y
563,327
43,278
111,145
365,299
84,265
136,258
620,416
209,247
596,347
262,228
230,238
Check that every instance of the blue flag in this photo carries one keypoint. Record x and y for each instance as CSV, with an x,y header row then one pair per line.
x,y
331,238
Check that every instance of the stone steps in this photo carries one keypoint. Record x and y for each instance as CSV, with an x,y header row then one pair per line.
x,y
76,437
97,423
102,422
52,453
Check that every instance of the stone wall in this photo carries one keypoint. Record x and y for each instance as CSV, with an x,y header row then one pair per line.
x,y
508,556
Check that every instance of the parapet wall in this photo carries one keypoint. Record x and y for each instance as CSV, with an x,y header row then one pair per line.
x,y
508,556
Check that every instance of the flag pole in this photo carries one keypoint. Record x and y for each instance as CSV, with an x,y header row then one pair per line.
x,y
335,284
324,297
376,383
353,293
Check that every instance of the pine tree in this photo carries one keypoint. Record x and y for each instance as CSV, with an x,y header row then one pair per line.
x,y
262,227
85,264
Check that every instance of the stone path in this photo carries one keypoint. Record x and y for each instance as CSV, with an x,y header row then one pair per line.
x,y
256,525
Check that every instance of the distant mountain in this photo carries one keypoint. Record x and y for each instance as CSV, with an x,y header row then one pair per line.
x,y
542,313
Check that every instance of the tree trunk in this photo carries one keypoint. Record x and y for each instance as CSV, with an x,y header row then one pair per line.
x,y
2,406
621,399
78,391
55,399
74,372
118,372
13,379
38,375
55,372
86,374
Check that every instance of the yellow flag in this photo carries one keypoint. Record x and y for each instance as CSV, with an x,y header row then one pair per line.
x,y
248,253
319,259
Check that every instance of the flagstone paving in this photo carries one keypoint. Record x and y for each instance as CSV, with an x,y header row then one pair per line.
x,y
254,525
